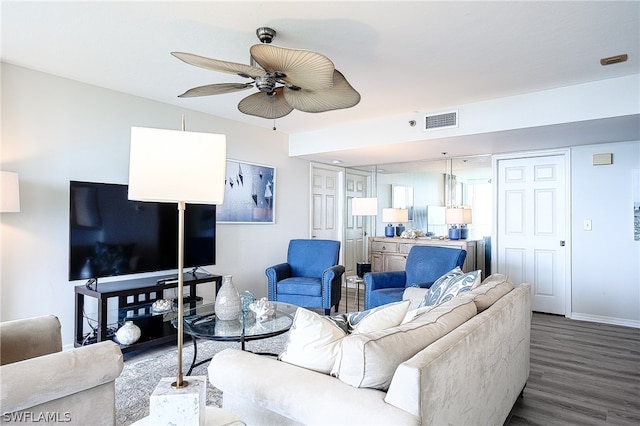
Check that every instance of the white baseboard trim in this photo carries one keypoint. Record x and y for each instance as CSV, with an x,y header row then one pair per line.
x,y
605,320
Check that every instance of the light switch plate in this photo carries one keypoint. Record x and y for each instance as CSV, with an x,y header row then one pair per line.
x,y
587,225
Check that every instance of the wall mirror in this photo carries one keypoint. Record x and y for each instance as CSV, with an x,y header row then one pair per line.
x,y
423,186
402,198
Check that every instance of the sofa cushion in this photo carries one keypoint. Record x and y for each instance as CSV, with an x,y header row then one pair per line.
x,y
450,285
306,286
369,360
492,288
314,339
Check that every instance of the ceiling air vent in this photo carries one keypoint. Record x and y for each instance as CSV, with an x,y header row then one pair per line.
x,y
441,120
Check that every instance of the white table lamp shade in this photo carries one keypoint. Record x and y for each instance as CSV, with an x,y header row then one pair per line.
x,y
9,193
395,215
364,206
174,165
467,216
457,216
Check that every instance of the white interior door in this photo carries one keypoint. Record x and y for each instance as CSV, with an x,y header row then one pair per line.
x,y
355,226
532,224
326,205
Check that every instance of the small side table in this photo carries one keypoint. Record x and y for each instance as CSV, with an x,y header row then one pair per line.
x,y
215,417
354,279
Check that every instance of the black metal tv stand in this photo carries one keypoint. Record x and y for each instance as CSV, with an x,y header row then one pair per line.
x,y
135,299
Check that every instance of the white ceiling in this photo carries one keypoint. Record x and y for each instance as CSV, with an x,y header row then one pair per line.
x,y
402,56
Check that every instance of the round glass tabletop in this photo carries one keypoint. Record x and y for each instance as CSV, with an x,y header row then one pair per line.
x,y
201,322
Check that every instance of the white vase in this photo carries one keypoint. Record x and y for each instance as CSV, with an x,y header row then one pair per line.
x,y
128,334
228,304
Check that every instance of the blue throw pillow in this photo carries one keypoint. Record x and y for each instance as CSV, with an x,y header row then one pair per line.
x,y
450,285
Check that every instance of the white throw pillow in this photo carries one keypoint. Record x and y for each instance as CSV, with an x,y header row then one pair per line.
x,y
314,339
314,342
415,295
379,318
415,313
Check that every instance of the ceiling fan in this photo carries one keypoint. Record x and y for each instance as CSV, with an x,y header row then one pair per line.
x,y
287,79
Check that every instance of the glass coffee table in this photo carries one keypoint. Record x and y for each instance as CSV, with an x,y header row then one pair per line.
x,y
200,322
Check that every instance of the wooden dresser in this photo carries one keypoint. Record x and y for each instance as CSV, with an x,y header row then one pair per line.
x,y
390,254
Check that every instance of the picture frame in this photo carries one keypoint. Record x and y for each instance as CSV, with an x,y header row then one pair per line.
x,y
249,194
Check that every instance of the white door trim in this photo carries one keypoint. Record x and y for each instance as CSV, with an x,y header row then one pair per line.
x,y
566,153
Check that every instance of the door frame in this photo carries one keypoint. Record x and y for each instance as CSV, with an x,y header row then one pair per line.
x,y
566,154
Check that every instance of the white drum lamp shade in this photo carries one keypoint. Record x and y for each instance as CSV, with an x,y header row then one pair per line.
x,y
174,165
395,215
457,216
9,193
364,206
453,216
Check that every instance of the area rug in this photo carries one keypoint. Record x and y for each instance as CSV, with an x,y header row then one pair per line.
x,y
142,373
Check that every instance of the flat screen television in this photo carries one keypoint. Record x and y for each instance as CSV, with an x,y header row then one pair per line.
x,y
110,235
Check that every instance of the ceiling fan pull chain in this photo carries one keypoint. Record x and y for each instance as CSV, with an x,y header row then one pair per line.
x,y
274,124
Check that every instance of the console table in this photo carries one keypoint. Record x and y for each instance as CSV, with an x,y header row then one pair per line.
x,y
390,253
134,301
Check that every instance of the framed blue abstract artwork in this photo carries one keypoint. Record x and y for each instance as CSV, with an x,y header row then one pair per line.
x,y
249,194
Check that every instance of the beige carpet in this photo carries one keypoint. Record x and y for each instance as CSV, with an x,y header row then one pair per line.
x,y
143,371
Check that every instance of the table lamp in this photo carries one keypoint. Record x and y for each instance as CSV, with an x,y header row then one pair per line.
x,y
458,218
391,216
177,167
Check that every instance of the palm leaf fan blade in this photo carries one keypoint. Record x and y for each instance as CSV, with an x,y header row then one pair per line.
x,y
218,65
341,95
215,89
266,105
302,68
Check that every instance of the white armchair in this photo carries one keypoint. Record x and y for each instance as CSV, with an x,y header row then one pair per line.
x,y
41,383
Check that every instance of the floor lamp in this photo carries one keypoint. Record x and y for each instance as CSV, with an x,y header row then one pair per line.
x,y
364,207
180,167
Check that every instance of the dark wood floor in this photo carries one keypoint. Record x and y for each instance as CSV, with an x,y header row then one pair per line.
x,y
582,373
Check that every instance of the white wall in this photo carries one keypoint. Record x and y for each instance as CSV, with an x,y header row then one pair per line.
x,y
56,130
605,260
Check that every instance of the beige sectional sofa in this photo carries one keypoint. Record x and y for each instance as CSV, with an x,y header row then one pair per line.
x,y
464,362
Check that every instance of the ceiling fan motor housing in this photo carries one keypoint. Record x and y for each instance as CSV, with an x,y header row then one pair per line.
x,y
266,34
265,83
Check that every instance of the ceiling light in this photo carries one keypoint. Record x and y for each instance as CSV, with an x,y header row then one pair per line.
x,y
613,59
336,162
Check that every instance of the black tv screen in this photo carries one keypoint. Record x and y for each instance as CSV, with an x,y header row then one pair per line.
x,y
111,235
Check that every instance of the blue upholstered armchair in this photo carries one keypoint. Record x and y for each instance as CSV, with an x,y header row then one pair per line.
x,y
311,278
425,264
